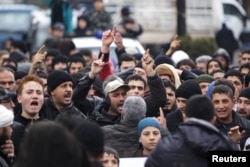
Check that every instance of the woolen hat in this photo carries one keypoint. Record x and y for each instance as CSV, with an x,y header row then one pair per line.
x,y
56,78
134,108
245,93
163,59
204,78
17,56
188,89
146,122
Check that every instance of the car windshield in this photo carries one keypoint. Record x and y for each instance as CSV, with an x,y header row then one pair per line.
x,y
14,21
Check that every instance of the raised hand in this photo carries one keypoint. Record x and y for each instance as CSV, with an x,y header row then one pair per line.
x,y
108,37
96,67
161,119
148,63
235,134
40,55
174,45
118,41
8,148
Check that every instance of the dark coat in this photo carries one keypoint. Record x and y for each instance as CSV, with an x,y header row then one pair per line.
x,y
122,137
96,108
26,122
100,115
50,112
187,148
173,120
17,135
237,120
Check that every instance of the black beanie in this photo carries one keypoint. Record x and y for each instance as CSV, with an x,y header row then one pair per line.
x,y
245,93
188,89
162,60
56,78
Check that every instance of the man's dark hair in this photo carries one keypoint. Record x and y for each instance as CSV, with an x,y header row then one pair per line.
x,y
126,57
245,65
223,89
188,62
235,73
245,52
76,60
226,82
135,77
85,52
169,84
195,108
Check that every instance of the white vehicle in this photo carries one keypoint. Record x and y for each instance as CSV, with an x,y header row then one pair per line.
x,y
207,16
94,44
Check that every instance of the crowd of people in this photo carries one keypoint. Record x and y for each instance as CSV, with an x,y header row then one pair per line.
x,y
63,107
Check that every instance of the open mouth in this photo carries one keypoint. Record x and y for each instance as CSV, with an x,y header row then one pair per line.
x,y
68,95
34,103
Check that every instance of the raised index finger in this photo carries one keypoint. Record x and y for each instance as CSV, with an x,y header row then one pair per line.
x,y
161,113
40,50
114,30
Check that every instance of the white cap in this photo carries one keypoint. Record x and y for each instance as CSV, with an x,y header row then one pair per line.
x,y
178,56
6,117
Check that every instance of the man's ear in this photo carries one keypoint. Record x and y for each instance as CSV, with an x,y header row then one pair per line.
x,y
184,116
19,99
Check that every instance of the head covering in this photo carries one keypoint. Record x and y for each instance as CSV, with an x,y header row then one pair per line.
x,y
5,94
146,122
203,58
6,117
245,93
24,67
204,78
163,60
114,84
188,89
168,69
222,52
17,56
197,71
210,89
178,56
58,26
56,78
134,108
20,74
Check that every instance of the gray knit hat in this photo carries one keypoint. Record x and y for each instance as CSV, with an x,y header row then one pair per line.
x,y
134,108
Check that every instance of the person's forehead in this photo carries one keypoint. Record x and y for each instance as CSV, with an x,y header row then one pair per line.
x,y
6,73
135,82
245,55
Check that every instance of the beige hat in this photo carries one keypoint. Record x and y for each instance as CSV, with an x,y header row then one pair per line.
x,y
114,85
